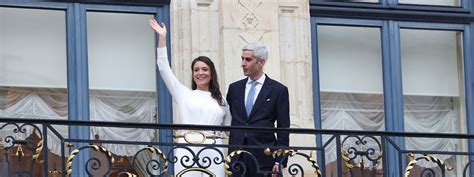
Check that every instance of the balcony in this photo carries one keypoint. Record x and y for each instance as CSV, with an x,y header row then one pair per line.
x,y
35,147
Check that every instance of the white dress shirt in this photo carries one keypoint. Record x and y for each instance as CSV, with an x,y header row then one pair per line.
x,y
258,87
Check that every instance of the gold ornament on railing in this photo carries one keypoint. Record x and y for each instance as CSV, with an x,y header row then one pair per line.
x,y
2,147
76,151
347,161
291,153
55,173
186,135
206,171
162,158
128,174
428,158
228,160
39,149
69,145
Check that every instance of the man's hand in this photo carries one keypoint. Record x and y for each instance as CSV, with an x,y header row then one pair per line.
x,y
275,170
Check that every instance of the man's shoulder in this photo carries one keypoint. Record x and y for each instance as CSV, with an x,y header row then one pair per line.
x,y
276,84
238,82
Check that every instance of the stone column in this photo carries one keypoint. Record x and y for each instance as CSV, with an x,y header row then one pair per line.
x,y
295,70
195,31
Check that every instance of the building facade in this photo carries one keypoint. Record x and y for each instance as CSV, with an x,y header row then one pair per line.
x,y
368,65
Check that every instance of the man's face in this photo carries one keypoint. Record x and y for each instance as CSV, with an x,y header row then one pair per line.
x,y
250,65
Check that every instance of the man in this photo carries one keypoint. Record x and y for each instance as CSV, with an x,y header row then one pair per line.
x,y
258,101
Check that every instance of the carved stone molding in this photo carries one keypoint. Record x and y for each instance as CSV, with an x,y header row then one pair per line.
x,y
204,3
250,21
250,5
288,8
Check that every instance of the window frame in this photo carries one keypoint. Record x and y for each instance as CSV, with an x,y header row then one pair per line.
x,y
78,101
464,7
77,65
392,73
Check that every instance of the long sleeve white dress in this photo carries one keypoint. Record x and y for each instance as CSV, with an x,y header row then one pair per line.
x,y
195,107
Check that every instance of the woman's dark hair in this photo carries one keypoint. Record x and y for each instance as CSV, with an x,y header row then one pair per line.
x,y
213,84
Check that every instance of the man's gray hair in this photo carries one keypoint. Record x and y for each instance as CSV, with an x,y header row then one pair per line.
x,y
258,49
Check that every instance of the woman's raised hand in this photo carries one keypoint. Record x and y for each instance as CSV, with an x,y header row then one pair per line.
x,y
160,29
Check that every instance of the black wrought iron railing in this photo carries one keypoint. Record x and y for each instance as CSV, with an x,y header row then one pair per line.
x,y
38,147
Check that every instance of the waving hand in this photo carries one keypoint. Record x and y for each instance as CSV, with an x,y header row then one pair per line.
x,y
160,30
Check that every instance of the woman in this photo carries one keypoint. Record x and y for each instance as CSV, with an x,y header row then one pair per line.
x,y
201,105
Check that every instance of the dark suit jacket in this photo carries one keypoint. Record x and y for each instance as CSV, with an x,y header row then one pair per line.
x,y
271,105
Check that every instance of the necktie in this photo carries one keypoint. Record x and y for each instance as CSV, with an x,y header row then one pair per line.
x,y
250,98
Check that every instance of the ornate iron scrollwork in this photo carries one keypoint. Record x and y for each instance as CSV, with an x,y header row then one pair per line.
x,y
294,169
196,158
237,166
202,170
413,161
154,167
466,167
93,163
366,153
126,174
21,149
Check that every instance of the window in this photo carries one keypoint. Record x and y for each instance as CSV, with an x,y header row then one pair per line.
x,y
366,1
33,72
48,50
351,84
417,69
351,81
432,2
122,83
33,77
433,94
446,3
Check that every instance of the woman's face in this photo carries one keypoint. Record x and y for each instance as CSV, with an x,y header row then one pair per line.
x,y
202,75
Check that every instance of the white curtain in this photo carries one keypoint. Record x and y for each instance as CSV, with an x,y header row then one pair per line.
x,y
34,104
122,107
346,111
39,103
431,114
352,111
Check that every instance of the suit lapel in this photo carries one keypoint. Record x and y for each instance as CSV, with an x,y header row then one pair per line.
x,y
241,97
266,89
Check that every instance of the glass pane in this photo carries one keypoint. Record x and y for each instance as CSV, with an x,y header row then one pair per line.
x,y
350,59
33,76
434,101
366,1
122,62
32,48
351,82
432,2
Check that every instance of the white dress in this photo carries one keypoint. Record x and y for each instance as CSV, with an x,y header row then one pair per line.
x,y
195,107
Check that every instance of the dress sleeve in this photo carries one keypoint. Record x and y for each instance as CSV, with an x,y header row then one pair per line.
x,y
175,87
